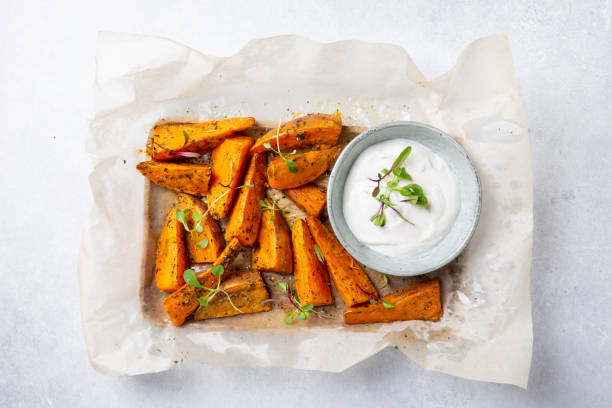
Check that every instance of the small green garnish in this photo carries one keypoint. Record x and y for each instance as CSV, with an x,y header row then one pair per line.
x,y
291,165
186,136
413,192
387,305
302,312
264,206
191,279
181,216
385,279
319,253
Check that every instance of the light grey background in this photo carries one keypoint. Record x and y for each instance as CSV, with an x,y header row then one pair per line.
x,y
563,56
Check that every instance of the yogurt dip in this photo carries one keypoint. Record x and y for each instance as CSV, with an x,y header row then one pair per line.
x,y
398,237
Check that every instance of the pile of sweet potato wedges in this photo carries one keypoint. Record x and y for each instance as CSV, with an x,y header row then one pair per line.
x,y
234,184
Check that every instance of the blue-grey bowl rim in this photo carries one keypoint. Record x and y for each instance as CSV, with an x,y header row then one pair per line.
x,y
451,256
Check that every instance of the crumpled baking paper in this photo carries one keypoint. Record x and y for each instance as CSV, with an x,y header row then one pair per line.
x,y
486,331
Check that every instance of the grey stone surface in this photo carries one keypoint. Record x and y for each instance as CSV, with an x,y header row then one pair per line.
x,y
563,55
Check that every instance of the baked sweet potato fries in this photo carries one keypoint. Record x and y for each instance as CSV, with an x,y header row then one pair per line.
x,y
230,189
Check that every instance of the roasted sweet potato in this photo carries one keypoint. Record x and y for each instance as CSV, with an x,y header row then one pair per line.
x,y
272,253
420,301
247,290
311,280
245,217
210,231
182,303
309,198
170,138
315,129
171,258
352,283
310,165
184,177
229,161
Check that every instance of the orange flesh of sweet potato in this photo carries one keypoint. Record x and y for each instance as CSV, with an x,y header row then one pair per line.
x,y
171,259
352,283
247,290
183,302
184,177
309,198
245,218
420,301
169,138
311,280
220,197
211,231
316,129
272,253
310,165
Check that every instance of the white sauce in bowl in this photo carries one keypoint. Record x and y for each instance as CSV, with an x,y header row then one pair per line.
x,y
397,237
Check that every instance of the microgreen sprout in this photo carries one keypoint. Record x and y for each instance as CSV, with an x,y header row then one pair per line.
x,y
319,253
413,192
264,206
374,299
301,312
191,279
385,279
291,165
181,216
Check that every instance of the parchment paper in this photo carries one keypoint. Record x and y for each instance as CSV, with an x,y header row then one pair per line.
x,y
485,333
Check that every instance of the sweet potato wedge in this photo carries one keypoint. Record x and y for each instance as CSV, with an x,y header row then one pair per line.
x,y
210,231
247,290
245,217
309,198
352,283
170,138
310,165
184,177
229,161
272,252
420,301
311,280
171,259
183,302
315,129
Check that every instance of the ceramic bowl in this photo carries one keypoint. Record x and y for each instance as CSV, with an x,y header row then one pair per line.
x,y
458,236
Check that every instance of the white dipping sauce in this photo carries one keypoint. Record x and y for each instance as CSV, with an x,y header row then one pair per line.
x,y
397,237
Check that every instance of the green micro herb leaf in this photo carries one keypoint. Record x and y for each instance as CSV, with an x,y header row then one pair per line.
x,y
319,253
385,279
191,279
308,307
186,136
203,243
402,157
289,317
402,174
302,312
264,206
291,165
387,305
413,192
217,270
182,218
373,301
